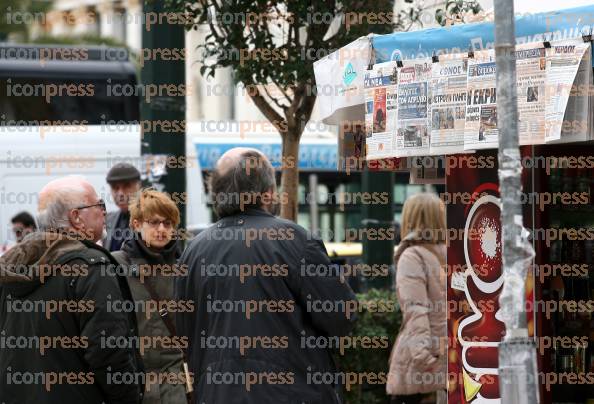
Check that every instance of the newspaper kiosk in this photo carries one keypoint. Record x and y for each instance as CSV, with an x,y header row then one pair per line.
x,y
429,97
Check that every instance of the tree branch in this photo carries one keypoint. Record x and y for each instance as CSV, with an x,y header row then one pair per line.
x,y
291,112
282,90
213,28
273,117
273,99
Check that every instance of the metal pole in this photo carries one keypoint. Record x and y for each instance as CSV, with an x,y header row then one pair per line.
x,y
166,138
313,203
517,352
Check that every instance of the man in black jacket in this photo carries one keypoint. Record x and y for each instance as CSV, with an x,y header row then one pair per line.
x,y
268,303
64,337
124,182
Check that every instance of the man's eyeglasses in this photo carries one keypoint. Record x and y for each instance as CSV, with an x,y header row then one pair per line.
x,y
101,204
156,223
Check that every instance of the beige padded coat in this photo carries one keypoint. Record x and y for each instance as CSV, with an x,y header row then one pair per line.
x,y
418,359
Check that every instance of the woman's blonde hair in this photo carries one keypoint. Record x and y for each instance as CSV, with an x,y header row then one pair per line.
x,y
149,203
424,214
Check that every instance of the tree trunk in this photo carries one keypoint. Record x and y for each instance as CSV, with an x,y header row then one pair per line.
x,y
290,176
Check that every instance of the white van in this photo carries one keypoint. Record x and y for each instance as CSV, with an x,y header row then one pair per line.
x,y
30,157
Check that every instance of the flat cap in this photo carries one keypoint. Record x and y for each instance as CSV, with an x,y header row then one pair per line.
x,y
122,172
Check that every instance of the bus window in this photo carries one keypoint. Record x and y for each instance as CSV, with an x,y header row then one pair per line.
x,y
27,101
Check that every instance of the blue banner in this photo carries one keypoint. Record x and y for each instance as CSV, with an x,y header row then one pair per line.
x,y
312,157
551,26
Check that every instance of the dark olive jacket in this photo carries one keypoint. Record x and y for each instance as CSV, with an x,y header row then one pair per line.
x,y
64,290
159,269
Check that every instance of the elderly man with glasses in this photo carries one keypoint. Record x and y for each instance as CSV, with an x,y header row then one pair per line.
x,y
60,293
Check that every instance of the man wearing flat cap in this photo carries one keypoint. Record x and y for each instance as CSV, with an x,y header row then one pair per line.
x,y
124,181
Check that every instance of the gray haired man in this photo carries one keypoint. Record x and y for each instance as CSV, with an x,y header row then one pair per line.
x,y
58,293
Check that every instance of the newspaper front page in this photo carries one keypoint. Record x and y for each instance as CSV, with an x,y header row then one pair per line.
x,y
380,109
563,61
480,130
577,120
531,76
412,136
448,104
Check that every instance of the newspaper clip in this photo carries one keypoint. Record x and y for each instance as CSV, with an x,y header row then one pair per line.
x,y
371,54
399,63
435,58
547,42
470,53
587,37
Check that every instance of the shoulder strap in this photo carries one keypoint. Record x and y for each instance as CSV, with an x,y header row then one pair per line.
x,y
171,328
124,259
163,312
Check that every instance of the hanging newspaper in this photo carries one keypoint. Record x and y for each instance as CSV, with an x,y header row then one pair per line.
x,y
566,111
531,76
448,104
579,114
480,131
380,109
412,136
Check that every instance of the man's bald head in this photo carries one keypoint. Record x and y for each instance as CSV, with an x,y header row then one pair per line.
x,y
232,158
243,178
71,203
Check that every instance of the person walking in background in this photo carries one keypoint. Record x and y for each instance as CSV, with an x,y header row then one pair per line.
x,y
124,182
152,254
418,359
55,286
260,285
22,224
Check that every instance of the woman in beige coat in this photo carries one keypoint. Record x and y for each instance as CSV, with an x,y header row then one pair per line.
x,y
418,360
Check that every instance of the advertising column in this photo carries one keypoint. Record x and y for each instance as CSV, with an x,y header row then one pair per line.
x,y
475,276
474,279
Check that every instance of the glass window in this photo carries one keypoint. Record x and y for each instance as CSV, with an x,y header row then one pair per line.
x,y
30,100
400,193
